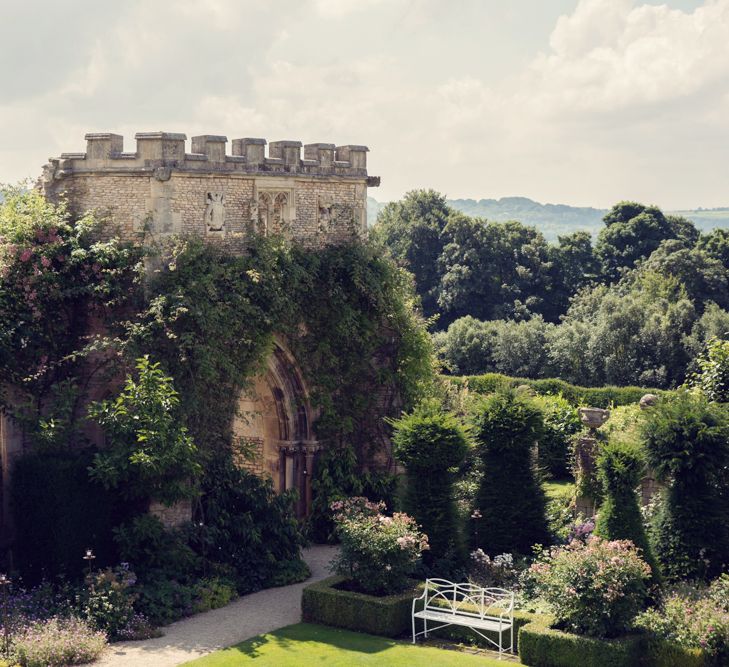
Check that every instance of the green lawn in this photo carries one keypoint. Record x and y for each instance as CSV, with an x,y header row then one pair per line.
x,y
307,644
558,488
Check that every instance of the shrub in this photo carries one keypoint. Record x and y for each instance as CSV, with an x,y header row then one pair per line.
x,y
713,375
212,593
149,452
543,646
108,601
249,528
378,552
59,513
687,445
510,502
500,571
620,469
431,444
163,600
58,642
693,619
561,422
388,616
594,588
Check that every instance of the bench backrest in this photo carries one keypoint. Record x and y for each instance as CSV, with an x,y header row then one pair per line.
x,y
466,599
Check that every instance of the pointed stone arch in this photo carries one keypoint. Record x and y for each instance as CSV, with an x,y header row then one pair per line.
x,y
275,418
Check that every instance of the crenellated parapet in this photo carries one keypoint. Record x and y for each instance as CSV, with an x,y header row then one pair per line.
x,y
105,151
161,188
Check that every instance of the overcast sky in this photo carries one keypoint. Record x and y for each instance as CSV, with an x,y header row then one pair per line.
x,y
579,102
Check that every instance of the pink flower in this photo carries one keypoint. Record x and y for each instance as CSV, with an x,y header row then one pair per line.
x,y
26,255
45,261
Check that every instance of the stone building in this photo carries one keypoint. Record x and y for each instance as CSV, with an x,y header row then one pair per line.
x,y
160,189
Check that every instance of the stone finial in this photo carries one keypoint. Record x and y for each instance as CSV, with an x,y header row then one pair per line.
x,y
647,401
101,145
253,149
210,145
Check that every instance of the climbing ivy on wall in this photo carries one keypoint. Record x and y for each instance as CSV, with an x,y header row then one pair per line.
x,y
347,314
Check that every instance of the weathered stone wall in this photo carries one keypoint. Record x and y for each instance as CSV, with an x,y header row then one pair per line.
x,y
161,190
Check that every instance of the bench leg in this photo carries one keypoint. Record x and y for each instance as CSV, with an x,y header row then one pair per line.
x,y
425,620
413,629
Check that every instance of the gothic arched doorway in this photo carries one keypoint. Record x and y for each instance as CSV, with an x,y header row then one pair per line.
x,y
275,419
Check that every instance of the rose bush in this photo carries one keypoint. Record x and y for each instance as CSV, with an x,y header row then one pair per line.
x,y
378,552
595,587
694,619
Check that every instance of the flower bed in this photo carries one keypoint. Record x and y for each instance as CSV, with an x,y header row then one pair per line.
x,y
387,616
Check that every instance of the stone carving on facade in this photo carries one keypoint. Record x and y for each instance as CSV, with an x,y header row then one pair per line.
x,y
274,211
325,213
162,174
215,211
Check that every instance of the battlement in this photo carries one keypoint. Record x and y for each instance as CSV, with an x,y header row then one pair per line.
x,y
154,150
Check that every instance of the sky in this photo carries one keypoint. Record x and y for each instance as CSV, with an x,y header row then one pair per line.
x,y
582,102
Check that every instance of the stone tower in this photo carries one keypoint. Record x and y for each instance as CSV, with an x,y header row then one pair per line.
x,y
160,189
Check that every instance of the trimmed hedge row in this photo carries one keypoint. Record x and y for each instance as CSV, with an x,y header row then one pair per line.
x,y
542,646
387,616
596,397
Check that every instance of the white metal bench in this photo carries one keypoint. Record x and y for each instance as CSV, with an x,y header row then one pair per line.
x,y
474,607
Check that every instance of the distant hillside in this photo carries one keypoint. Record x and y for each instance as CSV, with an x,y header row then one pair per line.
x,y
554,219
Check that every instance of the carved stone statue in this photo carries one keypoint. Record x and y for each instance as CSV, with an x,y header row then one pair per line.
x,y
215,211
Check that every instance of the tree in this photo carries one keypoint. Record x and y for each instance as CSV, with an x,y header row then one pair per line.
x,y
467,347
412,230
687,445
713,375
431,444
573,266
633,231
149,452
510,499
620,469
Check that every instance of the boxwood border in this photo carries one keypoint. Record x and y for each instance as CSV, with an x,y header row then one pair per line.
x,y
387,616
543,646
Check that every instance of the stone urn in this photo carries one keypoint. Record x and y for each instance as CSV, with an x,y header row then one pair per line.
x,y
593,417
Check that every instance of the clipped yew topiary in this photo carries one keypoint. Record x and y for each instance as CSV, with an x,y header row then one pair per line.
x,y
620,468
687,444
510,504
432,444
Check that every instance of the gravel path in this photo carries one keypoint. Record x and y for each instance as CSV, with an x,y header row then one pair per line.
x,y
246,617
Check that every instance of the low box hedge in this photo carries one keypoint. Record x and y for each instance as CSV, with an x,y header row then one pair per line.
x,y
596,397
542,646
388,616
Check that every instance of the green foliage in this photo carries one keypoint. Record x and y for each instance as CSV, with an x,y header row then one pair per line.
x,y
595,588
543,646
212,593
58,514
149,452
50,266
687,445
431,444
252,529
510,499
378,553
713,375
387,616
620,469
561,422
577,396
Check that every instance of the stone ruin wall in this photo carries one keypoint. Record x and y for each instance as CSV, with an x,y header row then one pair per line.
x,y
161,190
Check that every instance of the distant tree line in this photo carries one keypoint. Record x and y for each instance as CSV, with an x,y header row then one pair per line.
x,y
635,307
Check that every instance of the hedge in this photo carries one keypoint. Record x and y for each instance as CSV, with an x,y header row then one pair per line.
x,y
596,397
542,646
388,616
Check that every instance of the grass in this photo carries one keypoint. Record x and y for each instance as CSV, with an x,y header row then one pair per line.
x,y
558,488
307,644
